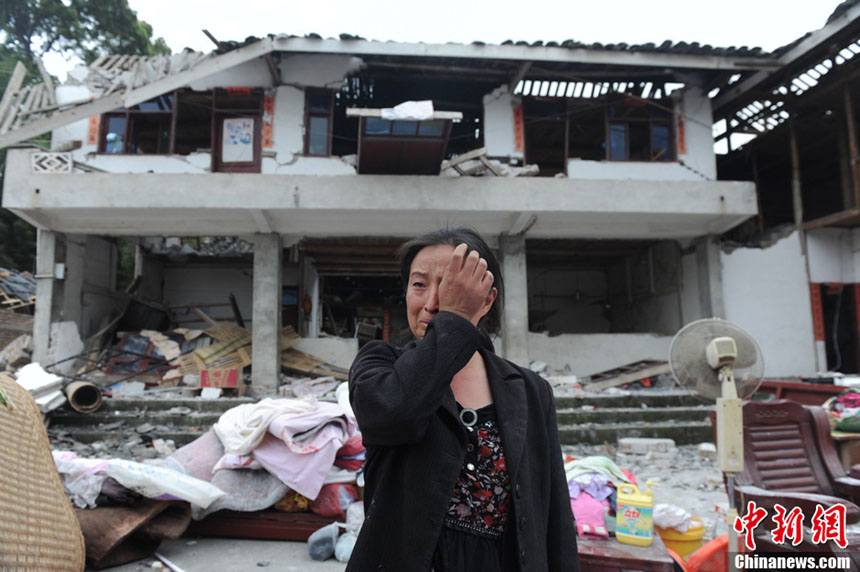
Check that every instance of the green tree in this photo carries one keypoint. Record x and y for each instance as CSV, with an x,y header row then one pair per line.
x,y
84,29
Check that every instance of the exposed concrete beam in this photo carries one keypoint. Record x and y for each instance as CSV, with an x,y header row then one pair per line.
x,y
522,53
521,73
523,223
158,87
802,49
262,220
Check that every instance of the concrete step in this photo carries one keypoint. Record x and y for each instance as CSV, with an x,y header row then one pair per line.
x,y
156,404
575,416
673,398
90,435
135,418
683,433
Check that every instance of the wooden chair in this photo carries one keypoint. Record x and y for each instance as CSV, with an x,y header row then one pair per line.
x,y
790,459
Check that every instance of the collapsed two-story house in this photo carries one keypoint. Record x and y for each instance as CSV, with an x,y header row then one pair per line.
x,y
590,168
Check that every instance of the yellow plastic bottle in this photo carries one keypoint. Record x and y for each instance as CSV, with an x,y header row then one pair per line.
x,y
634,519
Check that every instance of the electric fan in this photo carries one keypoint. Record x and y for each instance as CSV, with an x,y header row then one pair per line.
x,y
719,360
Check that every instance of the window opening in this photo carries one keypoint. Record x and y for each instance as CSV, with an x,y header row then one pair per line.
x,y
319,110
142,129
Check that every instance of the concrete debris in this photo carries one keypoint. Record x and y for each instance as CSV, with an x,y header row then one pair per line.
x,y
707,450
17,353
46,388
65,342
645,445
17,289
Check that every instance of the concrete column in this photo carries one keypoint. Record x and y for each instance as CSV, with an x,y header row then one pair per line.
x,y
266,317
46,249
710,273
515,318
309,294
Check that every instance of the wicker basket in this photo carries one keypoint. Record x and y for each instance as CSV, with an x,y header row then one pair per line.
x,y
38,528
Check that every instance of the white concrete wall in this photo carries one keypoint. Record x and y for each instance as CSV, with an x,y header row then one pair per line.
x,y
587,354
99,275
629,170
208,285
250,74
499,123
831,255
697,115
336,351
691,307
573,295
213,283
318,70
766,292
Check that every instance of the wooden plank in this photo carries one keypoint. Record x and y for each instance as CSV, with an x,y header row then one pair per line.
x,y
226,331
203,316
268,524
468,156
486,162
12,88
634,375
49,83
300,361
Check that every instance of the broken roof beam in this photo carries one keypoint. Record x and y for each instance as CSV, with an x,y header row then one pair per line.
x,y
519,76
12,89
146,92
820,37
48,81
524,54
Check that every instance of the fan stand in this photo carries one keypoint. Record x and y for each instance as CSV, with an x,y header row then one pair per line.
x,y
730,447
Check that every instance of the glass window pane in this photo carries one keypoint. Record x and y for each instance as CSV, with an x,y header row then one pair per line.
x,y
377,126
319,101
150,133
638,134
115,135
661,149
617,141
318,135
431,128
404,128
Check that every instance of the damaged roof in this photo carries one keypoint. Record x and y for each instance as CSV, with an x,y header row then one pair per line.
x,y
123,81
761,101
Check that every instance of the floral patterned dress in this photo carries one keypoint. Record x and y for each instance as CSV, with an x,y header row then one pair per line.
x,y
472,536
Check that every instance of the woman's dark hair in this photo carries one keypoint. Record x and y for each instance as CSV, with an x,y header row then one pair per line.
x,y
453,236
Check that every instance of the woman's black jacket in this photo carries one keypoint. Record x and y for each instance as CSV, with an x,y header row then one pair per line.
x,y
416,445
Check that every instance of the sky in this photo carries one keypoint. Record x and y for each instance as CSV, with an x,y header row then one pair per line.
x,y
768,24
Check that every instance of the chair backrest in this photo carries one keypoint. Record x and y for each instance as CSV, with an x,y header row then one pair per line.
x,y
787,447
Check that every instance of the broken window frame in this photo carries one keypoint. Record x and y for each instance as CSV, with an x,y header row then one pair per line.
x,y
310,113
651,122
129,116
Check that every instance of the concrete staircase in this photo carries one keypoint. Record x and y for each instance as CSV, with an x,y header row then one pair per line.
x,y
181,419
597,419
594,419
